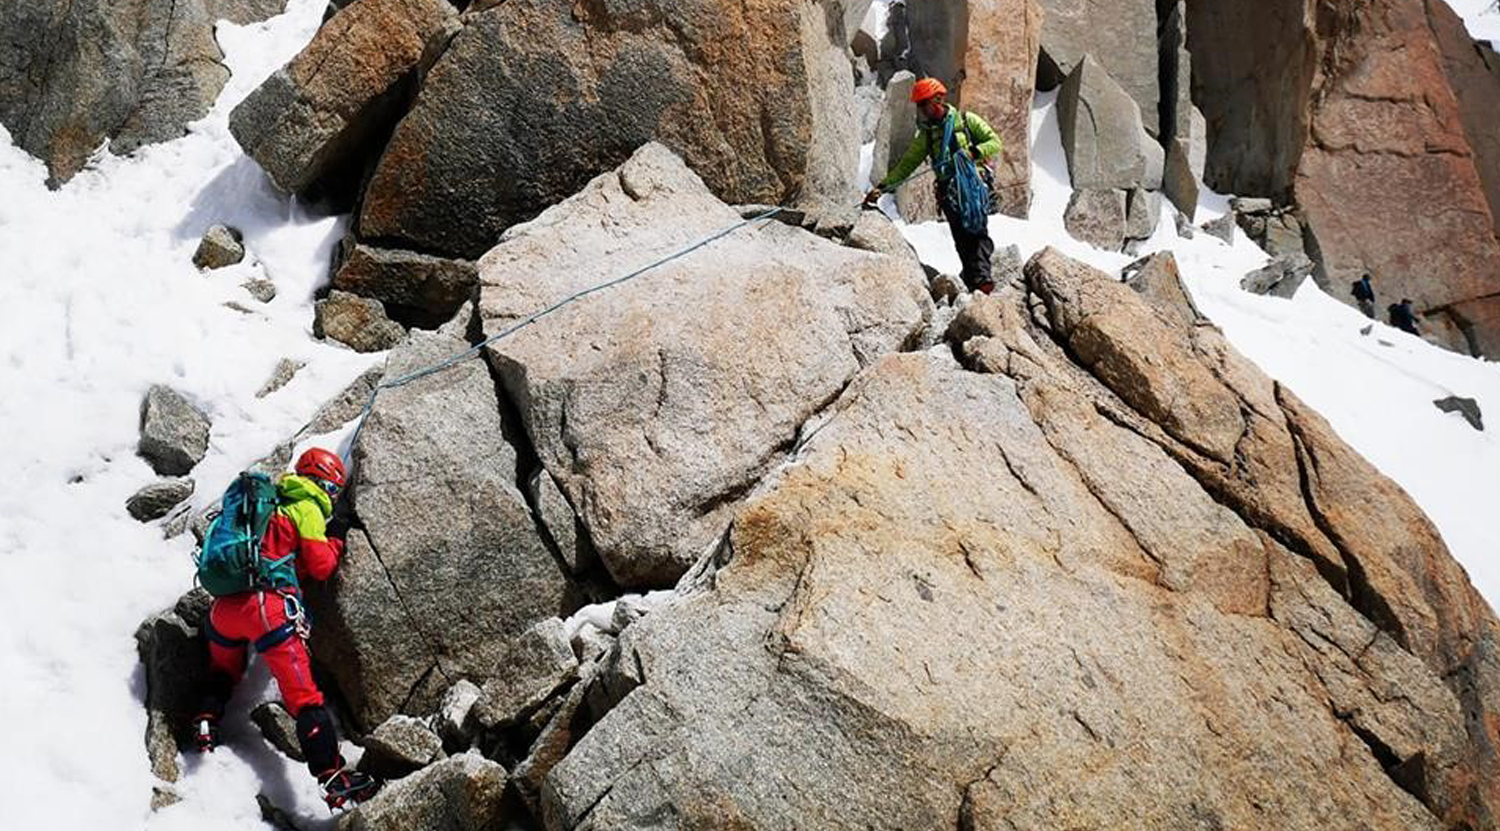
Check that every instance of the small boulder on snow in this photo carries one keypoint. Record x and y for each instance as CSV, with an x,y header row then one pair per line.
x,y
221,246
1279,278
157,499
278,728
263,290
285,369
400,746
357,322
1466,407
462,793
537,663
1221,228
1097,217
174,433
1142,214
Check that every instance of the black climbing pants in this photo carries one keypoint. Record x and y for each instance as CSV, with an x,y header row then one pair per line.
x,y
974,250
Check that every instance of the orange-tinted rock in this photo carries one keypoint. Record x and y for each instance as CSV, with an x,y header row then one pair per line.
x,y
1351,110
316,121
536,97
1000,78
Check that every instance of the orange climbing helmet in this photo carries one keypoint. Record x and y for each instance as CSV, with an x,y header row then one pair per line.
x,y
926,88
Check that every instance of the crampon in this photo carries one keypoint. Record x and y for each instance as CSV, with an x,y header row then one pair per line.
x,y
343,788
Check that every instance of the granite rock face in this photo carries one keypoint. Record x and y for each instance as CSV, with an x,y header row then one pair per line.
x,y
758,99
1101,130
447,565
999,83
1377,122
1087,576
78,73
1120,34
314,124
656,405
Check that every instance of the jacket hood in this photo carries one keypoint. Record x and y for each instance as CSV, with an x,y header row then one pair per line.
x,y
293,487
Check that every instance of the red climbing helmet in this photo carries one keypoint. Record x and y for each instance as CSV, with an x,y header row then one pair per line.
x,y
926,88
317,463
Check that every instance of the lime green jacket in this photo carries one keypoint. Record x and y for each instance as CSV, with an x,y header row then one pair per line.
x,y
930,134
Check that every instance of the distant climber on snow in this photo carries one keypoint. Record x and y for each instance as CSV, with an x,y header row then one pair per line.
x,y
1402,316
959,144
268,538
1364,294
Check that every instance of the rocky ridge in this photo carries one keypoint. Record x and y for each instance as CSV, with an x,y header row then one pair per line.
x,y
1080,540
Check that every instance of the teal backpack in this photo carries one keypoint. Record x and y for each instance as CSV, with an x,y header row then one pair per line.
x,y
230,561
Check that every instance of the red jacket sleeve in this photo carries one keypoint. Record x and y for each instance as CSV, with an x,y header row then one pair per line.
x,y
318,558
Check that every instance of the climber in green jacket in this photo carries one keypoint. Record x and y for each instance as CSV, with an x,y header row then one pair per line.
x,y
974,137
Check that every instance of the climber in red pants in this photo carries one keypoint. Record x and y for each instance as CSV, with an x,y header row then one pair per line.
x,y
294,547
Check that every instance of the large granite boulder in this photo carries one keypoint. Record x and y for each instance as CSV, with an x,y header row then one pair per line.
x,y
1101,130
1105,574
533,98
656,405
317,121
999,83
447,564
1473,70
75,74
1376,120
1120,34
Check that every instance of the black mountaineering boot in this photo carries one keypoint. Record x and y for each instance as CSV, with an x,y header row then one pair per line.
x,y
320,746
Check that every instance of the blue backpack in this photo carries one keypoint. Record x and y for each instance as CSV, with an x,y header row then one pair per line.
x,y
230,561
963,187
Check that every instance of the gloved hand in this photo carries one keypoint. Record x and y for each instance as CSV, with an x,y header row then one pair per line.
x,y
873,196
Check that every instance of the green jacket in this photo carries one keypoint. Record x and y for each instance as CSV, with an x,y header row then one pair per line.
x,y
930,134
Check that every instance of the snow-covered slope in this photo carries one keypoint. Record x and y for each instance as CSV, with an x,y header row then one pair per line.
x,y
98,299
1482,17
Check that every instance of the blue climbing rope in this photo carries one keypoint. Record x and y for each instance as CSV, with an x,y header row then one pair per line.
x,y
535,316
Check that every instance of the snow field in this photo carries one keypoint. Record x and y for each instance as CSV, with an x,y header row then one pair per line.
x,y
98,300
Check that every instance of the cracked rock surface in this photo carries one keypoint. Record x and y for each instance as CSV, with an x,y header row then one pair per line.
x,y
446,562
657,404
1097,568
